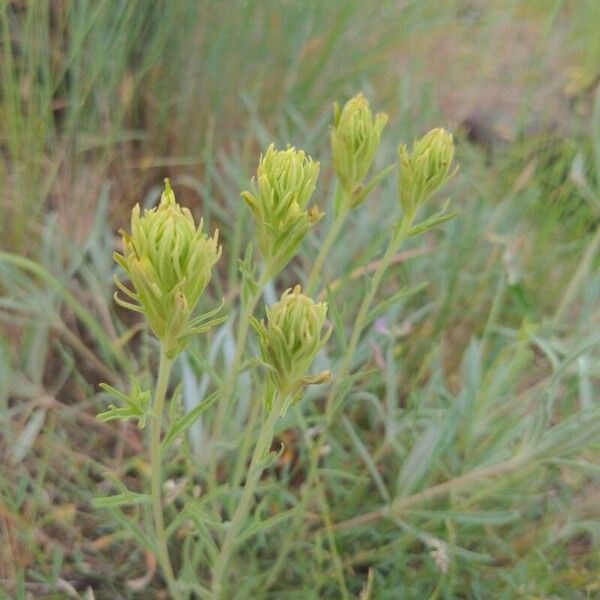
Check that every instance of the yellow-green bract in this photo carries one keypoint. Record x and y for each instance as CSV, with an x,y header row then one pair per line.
x,y
355,138
169,261
290,340
285,182
425,169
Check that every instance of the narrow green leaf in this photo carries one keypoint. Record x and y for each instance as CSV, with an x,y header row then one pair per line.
x,y
187,421
402,294
481,517
117,413
127,525
123,499
262,526
437,219
28,435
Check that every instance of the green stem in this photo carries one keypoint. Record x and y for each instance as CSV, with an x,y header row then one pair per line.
x,y
328,242
255,471
497,304
312,479
363,312
230,381
341,201
246,445
164,372
294,528
338,567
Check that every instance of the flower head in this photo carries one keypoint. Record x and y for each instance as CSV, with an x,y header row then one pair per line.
x,y
290,340
169,262
284,184
355,137
425,169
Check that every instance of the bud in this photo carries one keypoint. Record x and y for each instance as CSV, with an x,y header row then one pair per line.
x,y
285,182
291,339
425,169
169,263
355,138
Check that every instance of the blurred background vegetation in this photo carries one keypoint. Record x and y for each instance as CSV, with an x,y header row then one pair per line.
x,y
100,100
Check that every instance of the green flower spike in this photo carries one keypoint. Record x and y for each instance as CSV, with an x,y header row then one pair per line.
x,y
290,340
355,138
284,184
425,169
169,263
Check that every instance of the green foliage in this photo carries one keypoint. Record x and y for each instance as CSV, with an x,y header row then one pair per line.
x,y
454,453
135,405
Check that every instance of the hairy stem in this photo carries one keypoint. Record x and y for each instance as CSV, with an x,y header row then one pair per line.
x,y
363,312
313,476
230,381
255,471
164,372
330,238
246,445
343,202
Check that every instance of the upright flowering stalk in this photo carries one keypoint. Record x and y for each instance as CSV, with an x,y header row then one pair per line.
x,y
281,191
421,173
289,342
355,137
169,262
284,184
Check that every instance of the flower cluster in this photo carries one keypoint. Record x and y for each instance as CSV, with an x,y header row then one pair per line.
x,y
290,340
355,137
284,184
425,169
169,262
